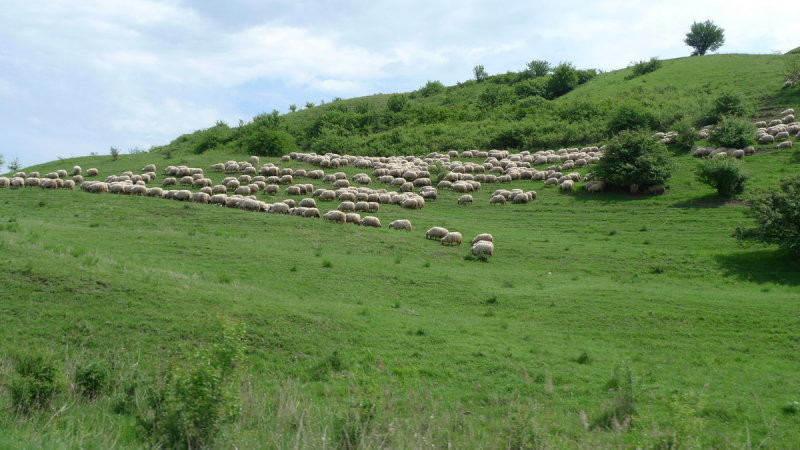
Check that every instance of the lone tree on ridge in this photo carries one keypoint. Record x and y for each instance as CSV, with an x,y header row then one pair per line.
x,y
704,37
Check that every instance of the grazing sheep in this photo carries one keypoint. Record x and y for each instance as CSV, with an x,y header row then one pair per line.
x,y
401,224
789,118
452,237
219,189
327,195
464,199
182,195
279,208
598,186
373,207
335,216
347,206
218,199
76,170
149,168
254,160
370,221
353,218
272,189
497,199
155,192
483,237
567,185
311,213
657,189
61,173
522,198
290,202
782,135
436,233
483,248
766,139
4,182
784,144
786,112
308,203
78,179
242,190
286,179
200,197
361,207
32,182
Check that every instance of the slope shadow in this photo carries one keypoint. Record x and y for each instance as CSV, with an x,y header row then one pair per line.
x,y
707,201
761,266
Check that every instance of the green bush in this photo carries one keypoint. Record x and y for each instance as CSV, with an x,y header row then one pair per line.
x,y
728,104
397,103
538,68
494,96
94,377
732,132
644,67
564,79
530,88
724,174
777,215
34,382
585,75
631,115
431,88
188,407
687,134
635,158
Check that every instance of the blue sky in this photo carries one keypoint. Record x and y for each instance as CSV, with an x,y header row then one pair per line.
x,y
80,77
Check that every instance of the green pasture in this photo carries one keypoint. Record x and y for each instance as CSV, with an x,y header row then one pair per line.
x,y
387,339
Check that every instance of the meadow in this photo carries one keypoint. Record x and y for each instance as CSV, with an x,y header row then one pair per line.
x,y
602,320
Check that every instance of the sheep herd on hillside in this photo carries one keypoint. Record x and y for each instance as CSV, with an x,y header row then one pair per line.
x,y
406,180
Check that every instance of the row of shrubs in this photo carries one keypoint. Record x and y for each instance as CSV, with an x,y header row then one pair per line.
x,y
499,116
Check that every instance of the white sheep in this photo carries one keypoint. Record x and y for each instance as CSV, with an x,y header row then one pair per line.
x,y
453,237
483,237
149,168
401,224
279,208
464,199
347,206
370,221
497,199
436,233
76,170
784,144
483,248
308,203
311,213
335,216
657,189
567,185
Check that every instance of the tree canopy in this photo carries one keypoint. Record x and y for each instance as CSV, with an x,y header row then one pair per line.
x,y
704,37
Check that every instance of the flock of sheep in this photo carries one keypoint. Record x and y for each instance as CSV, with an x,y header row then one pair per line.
x,y
407,180
409,177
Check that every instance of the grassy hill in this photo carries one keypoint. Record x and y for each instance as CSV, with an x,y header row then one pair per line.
x,y
514,111
602,320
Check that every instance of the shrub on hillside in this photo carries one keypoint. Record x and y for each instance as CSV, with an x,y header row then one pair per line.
x,y
431,88
265,136
585,75
397,102
635,158
212,138
534,87
777,215
728,104
190,405
34,382
687,134
644,67
94,377
494,96
538,68
511,137
564,79
733,133
724,174
631,115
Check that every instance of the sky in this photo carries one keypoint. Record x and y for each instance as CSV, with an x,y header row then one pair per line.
x,y
77,77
